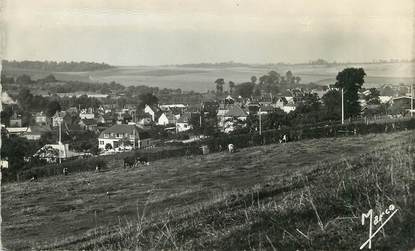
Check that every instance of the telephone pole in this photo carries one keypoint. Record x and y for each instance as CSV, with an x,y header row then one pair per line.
x,y
260,122
412,99
342,107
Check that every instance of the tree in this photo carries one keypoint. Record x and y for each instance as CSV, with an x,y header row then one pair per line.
x,y
297,79
290,77
245,89
387,91
23,80
15,149
253,79
220,82
108,146
231,87
49,78
6,114
332,101
373,97
351,80
147,99
270,82
52,107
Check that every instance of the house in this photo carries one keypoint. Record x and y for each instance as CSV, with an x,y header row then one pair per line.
x,y
87,114
88,124
253,107
122,134
233,117
15,120
152,110
58,118
402,104
183,123
17,131
41,118
143,119
286,104
166,118
51,153
4,163
106,120
73,111
220,115
6,99
267,109
36,132
385,99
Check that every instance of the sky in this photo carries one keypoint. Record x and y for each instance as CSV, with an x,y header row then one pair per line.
x,y
158,32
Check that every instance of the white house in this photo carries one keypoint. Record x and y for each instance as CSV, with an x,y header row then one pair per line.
x,y
115,135
232,117
52,152
151,110
286,104
40,118
166,118
183,124
86,114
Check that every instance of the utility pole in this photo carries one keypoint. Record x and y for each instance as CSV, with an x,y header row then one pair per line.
x,y
260,122
412,99
59,120
342,107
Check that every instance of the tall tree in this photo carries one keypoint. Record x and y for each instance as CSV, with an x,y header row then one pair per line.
x,y
245,89
231,87
52,107
253,79
351,80
147,99
220,82
332,102
290,77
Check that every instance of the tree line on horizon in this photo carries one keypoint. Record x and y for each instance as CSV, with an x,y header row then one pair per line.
x,y
55,66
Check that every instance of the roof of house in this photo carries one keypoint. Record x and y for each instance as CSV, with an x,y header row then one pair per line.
x,y
89,121
170,116
17,129
39,129
185,118
267,108
235,111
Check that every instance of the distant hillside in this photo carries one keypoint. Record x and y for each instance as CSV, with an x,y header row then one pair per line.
x,y
53,66
221,64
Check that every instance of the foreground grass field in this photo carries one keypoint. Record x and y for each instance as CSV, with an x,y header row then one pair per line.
x,y
299,195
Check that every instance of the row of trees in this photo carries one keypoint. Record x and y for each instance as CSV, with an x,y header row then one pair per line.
x,y
269,83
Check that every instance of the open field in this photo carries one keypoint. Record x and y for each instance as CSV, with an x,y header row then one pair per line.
x,y
202,78
244,200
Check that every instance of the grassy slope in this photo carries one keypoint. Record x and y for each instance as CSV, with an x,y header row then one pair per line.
x,y
244,200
